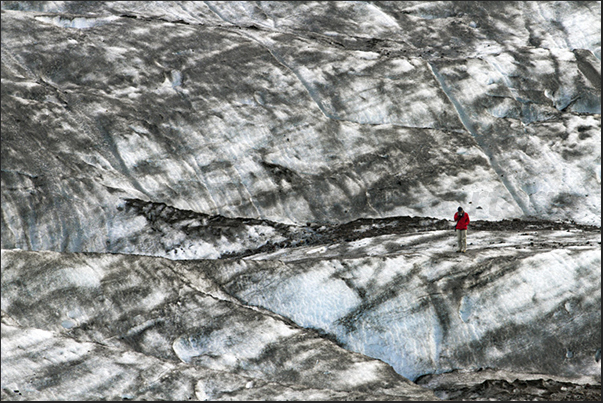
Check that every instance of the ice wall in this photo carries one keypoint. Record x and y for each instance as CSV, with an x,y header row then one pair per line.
x,y
295,113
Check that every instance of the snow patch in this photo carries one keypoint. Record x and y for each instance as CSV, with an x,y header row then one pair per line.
x,y
83,276
77,22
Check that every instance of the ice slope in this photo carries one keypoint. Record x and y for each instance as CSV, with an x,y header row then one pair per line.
x,y
412,302
295,112
100,326
521,302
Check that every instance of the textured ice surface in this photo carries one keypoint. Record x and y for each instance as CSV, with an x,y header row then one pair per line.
x,y
328,145
276,111
160,329
424,309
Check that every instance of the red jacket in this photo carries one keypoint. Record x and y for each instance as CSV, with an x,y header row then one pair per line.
x,y
462,222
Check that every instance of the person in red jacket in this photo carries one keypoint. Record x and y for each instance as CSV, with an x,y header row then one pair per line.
x,y
462,221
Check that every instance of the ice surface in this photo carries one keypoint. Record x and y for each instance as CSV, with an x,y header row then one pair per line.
x,y
406,315
341,130
261,131
193,340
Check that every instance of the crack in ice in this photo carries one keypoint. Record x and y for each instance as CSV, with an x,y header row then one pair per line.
x,y
466,121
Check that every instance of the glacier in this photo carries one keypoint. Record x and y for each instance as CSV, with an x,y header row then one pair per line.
x,y
253,200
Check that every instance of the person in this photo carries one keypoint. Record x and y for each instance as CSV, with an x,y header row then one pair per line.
x,y
462,221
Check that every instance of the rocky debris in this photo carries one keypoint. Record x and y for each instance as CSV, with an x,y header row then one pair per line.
x,y
530,390
520,390
164,219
